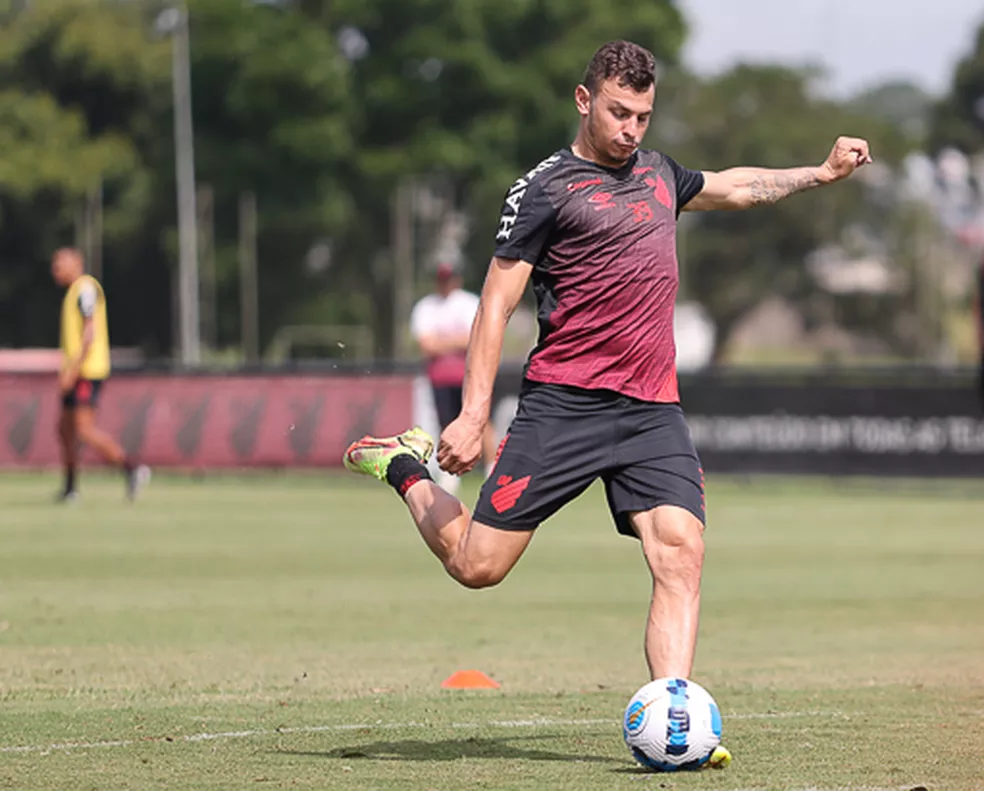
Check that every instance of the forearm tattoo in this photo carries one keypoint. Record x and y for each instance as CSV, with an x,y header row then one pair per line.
x,y
771,186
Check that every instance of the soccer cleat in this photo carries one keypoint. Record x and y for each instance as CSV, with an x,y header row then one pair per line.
x,y
372,455
720,758
70,497
136,479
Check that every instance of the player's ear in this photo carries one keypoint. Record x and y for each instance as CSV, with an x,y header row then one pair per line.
x,y
582,98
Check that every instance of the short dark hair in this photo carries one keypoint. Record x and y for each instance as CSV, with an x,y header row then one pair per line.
x,y
633,66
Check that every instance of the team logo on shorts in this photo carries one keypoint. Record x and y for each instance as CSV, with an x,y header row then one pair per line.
x,y
507,495
83,390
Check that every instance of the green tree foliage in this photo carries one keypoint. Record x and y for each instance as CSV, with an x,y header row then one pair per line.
x,y
475,91
959,118
760,116
272,116
73,81
323,109
85,97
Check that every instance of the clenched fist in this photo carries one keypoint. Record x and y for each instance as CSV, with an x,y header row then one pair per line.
x,y
847,155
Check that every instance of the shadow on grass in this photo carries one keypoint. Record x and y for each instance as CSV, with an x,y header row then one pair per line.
x,y
452,750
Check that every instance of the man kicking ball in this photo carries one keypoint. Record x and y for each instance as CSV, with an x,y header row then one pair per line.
x,y
594,225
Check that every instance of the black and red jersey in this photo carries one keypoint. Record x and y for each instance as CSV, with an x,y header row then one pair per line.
x,y
602,243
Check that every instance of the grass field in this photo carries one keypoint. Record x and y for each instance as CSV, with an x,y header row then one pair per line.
x,y
293,632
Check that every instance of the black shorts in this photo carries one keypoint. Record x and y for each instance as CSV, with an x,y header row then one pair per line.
x,y
564,438
447,402
85,393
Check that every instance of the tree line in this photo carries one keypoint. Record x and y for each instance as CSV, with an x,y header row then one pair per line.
x,y
325,111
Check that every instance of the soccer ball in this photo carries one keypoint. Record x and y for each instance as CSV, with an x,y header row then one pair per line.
x,y
672,724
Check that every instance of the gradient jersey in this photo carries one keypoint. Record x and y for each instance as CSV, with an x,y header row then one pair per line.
x,y
602,243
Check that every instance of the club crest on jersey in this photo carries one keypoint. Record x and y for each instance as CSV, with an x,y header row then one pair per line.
x,y
514,198
660,191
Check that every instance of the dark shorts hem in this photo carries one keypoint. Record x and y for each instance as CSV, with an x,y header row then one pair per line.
x,y
624,528
504,524
85,393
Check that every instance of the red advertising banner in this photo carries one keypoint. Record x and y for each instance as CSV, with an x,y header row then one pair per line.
x,y
212,421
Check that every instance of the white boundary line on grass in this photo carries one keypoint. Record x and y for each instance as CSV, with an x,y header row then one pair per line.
x,y
377,726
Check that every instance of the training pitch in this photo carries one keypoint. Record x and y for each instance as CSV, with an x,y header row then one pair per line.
x,y
293,632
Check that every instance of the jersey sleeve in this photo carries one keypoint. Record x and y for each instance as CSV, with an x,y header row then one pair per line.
x,y
525,223
87,300
689,183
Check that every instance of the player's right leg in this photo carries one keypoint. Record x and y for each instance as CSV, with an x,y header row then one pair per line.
x,y
550,456
474,554
68,445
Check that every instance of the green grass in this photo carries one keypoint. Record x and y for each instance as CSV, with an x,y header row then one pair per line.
x,y
302,626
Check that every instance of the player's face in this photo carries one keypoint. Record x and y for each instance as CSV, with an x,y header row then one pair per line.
x,y
64,269
618,118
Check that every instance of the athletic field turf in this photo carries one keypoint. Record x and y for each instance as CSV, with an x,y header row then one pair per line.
x,y
293,632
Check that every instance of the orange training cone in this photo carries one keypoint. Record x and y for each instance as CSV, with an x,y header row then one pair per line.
x,y
469,679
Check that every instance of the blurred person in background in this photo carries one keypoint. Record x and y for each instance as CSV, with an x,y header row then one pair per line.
x,y
441,324
594,226
84,370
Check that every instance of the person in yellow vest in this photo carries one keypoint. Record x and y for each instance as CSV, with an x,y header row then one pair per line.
x,y
84,369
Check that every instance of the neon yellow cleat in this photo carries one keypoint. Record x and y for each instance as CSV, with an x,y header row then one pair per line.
x,y
720,758
372,455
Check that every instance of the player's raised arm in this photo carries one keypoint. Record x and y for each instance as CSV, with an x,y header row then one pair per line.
x,y
745,187
461,443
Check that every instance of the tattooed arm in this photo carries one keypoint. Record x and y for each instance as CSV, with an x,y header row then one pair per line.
x,y
743,188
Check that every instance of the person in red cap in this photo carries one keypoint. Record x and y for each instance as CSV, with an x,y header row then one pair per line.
x,y
441,324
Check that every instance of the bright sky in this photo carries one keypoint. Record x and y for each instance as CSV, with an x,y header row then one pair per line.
x,y
860,42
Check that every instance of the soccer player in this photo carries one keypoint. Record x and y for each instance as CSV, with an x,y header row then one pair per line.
x,y
440,323
594,225
85,368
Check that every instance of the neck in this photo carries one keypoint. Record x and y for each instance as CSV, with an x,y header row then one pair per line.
x,y
583,148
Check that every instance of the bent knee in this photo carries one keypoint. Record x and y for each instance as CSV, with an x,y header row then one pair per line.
x,y
477,574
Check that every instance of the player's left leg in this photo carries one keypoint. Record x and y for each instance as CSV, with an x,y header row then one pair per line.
x,y
673,545
656,493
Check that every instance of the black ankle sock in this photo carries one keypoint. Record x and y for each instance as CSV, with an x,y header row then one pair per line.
x,y
404,471
70,480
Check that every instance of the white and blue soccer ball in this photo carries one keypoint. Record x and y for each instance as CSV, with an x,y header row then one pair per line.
x,y
672,724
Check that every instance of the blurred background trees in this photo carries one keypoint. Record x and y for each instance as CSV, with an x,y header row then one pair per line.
x,y
378,136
